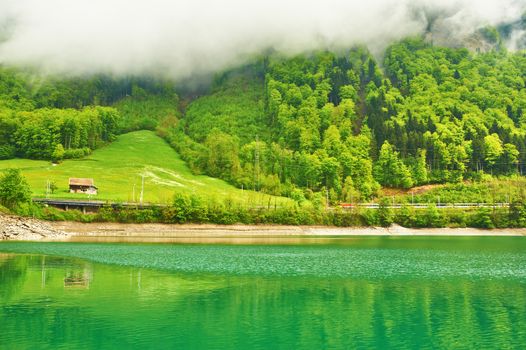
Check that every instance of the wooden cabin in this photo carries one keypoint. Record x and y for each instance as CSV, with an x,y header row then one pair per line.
x,y
87,186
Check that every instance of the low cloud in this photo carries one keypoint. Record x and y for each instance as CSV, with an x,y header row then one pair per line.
x,y
186,37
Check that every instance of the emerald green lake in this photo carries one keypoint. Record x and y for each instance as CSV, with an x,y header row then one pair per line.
x,y
362,293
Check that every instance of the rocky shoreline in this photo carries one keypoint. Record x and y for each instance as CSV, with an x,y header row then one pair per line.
x,y
25,229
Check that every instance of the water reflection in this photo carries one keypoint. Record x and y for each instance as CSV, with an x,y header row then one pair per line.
x,y
240,240
12,274
127,307
77,278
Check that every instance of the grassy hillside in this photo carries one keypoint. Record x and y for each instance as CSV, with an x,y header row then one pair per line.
x,y
118,168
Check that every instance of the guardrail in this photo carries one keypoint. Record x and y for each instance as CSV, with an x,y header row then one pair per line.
x,y
85,205
426,205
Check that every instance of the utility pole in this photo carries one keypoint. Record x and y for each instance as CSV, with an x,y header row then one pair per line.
x,y
142,190
256,165
326,192
133,194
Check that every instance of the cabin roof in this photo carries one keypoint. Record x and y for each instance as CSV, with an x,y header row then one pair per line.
x,y
81,182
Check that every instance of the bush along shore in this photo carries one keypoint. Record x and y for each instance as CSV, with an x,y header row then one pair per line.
x,y
193,209
15,196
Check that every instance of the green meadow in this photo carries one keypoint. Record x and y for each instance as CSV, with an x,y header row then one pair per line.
x,y
118,169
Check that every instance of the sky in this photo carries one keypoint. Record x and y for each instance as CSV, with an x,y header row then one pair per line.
x,y
180,38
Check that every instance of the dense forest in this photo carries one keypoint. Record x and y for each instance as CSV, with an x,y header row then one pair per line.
x,y
347,124
58,118
340,125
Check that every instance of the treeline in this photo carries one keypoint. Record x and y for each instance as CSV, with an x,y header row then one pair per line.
x,y
23,89
346,125
193,209
466,111
56,118
56,134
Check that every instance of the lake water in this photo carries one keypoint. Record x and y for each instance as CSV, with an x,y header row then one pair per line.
x,y
363,293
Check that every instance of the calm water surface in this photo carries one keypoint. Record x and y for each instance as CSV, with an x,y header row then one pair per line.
x,y
417,293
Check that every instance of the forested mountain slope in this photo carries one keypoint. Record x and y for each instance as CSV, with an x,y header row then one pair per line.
x,y
342,124
59,118
349,124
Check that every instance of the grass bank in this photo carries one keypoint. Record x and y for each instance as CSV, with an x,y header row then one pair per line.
x,y
118,170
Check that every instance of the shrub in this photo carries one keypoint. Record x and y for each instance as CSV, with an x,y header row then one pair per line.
x,y
370,217
406,216
7,152
457,218
14,189
105,214
385,213
76,153
431,217
517,214
482,219
58,153
182,204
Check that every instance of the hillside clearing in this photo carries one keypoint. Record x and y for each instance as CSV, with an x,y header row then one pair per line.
x,y
118,170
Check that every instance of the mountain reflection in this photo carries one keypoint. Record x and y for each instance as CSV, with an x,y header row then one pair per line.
x,y
90,305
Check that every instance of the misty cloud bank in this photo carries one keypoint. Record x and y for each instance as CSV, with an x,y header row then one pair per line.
x,y
184,37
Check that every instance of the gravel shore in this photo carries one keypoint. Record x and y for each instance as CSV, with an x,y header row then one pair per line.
x,y
25,229
210,230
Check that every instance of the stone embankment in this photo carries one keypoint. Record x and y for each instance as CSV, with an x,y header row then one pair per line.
x,y
24,229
